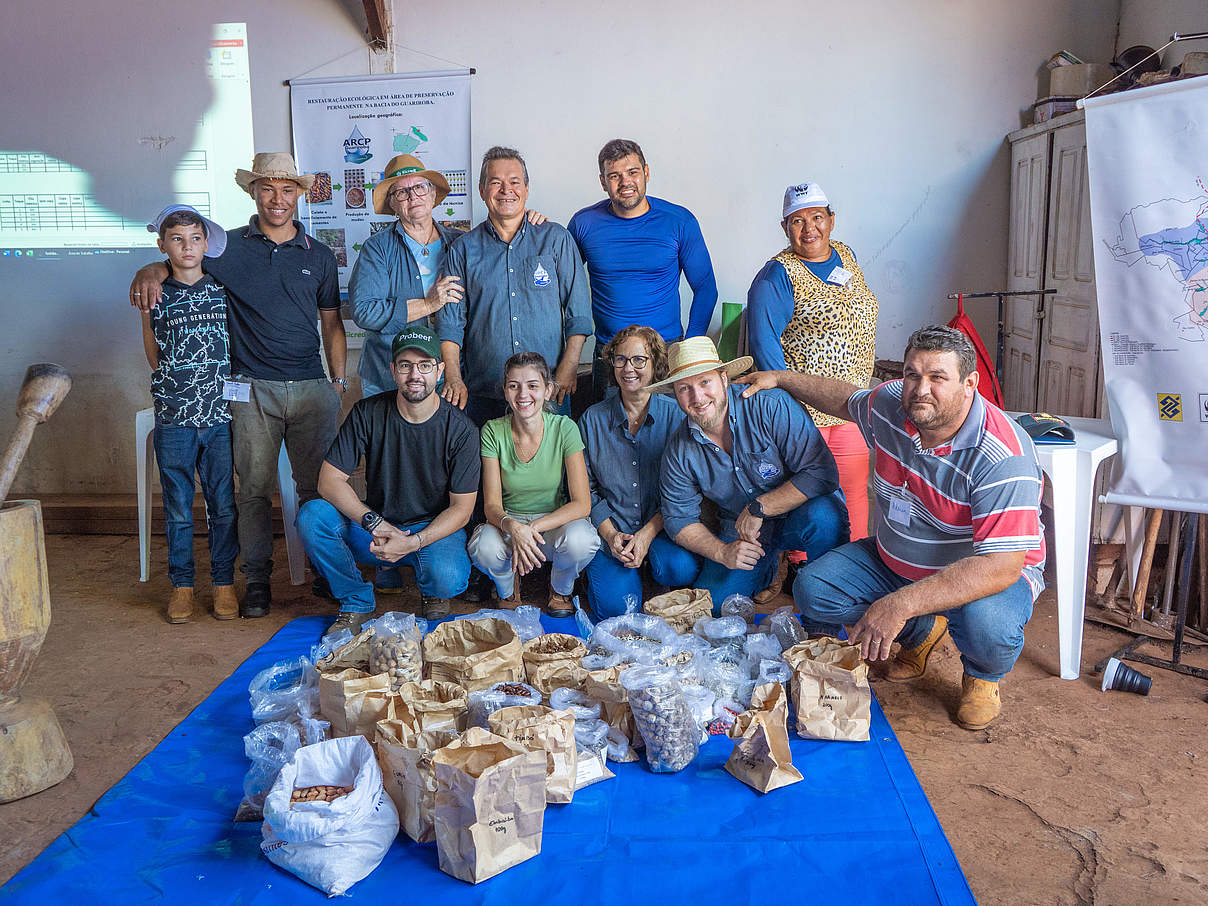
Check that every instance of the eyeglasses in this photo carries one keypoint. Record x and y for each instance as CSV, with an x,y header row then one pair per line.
x,y
637,361
419,191
425,367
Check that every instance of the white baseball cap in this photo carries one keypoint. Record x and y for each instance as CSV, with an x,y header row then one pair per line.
x,y
804,195
215,235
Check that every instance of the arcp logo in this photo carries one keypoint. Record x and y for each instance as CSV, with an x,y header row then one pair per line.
x,y
356,147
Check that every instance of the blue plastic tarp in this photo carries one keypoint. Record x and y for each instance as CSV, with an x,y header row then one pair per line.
x,y
857,830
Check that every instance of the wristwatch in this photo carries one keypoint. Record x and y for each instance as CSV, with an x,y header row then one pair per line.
x,y
343,383
371,520
755,508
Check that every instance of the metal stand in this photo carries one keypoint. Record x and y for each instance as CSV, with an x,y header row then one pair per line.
x,y
1128,652
1001,330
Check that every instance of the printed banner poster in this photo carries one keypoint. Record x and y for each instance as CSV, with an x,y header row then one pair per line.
x,y
346,131
1149,219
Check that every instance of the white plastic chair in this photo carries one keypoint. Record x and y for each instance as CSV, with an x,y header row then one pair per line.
x,y
144,428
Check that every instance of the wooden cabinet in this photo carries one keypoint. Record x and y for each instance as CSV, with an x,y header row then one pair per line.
x,y
1051,342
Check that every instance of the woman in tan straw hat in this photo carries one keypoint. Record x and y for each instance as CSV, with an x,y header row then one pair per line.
x,y
394,282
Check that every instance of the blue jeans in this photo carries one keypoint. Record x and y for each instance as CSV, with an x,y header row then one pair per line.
x,y
180,451
335,546
817,526
988,632
608,582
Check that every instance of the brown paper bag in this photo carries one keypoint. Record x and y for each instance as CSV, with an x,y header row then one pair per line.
x,y
432,705
605,687
490,805
681,608
542,729
830,690
408,774
352,656
353,701
761,758
551,661
474,654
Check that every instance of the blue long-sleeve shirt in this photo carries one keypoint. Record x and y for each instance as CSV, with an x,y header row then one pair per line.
x,y
622,469
635,266
770,308
774,441
527,295
384,277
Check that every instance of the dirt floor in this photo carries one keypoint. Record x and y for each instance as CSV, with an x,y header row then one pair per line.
x,y
1074,796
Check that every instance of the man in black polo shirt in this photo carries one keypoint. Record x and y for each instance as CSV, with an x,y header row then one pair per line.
x,y
422,467
281,283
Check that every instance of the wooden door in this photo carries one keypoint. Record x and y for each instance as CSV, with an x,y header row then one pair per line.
x,y
1069,348
1025,270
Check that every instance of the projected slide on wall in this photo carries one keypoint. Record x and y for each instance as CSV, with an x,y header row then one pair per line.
x,y
47,211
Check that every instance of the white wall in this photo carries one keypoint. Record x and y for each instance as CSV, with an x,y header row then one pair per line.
x,y
87,83
1152,22
898,108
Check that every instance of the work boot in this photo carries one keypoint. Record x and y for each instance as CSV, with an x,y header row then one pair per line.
x,y
256,600
226,606
763,597
559,605
980,703
434,608
387,580
320,588
911,663
480,590
350,620
180,605
512,601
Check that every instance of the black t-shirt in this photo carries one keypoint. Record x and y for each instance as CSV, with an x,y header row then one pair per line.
x,y
276,291
410,470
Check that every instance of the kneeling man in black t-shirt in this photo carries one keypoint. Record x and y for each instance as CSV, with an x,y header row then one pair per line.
x,y
422,468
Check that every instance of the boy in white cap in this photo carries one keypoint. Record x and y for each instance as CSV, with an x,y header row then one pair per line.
x,y
185,339
281,283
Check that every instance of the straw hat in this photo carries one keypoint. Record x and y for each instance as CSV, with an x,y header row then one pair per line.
x,y
273,165
694,356
406,165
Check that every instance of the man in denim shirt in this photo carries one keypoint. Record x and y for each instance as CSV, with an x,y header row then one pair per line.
x,y
525,291
761,460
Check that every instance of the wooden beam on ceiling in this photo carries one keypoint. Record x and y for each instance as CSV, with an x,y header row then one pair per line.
x,y
377,17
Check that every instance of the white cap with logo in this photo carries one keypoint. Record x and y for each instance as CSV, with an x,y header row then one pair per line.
x,y
804,195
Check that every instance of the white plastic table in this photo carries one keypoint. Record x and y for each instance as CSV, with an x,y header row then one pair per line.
x,y
1071,469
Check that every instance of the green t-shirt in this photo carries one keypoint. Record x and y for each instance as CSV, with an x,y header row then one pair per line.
x,y
536,486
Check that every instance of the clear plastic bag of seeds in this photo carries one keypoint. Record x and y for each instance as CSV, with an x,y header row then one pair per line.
x,y
286,690
578,703
784,624
738,606
394,648
591,739
761,646
481,705
662,716
636,637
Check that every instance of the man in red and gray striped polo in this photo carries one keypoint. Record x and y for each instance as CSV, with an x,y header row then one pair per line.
x,y
958,545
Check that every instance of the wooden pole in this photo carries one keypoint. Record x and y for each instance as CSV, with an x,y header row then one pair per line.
x,y
1146,564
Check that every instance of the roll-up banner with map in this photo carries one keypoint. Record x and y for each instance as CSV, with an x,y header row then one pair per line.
x,y
347,129
1147,152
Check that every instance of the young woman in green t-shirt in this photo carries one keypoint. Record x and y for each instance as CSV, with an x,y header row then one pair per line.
x,y
535,491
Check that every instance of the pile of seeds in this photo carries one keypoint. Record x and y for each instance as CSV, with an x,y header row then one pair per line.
x,y
319,793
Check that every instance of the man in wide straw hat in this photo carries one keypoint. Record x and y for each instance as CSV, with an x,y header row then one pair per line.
x,y
280,283
761,460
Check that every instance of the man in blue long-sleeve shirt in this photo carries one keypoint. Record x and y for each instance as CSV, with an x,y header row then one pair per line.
x,y
635,247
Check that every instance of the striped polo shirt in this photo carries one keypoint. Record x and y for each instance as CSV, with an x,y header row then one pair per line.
x,y
977,494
